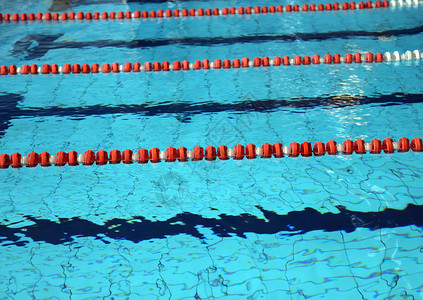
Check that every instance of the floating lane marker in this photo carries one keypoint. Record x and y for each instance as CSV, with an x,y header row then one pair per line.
x,y
216,64
250,151
242,10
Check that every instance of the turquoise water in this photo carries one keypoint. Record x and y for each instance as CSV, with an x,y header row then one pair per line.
x,y
297,228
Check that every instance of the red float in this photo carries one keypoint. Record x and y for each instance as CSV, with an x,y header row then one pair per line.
x,y
357,58
387,145
305,149
115,67
89,157
277,61
154,155
127,156
336,58
45,159
72,157
13,70
197,65
378,57
181,154
157,66
267,150
101,157
306,60
185,65
106,68
257,62
376,146
319,149
25,70
86,68
239,152
127,67
198,153
143,156
294,149
148,66
62,158
4,70
210,153
331,148
277,150
115,157
166,66
33,159
76,69
250,151
297,60
416,145
359,146
95,68
176,65
348,147
217,64
222,152
34,69
245,62
4,161
404,144
15,160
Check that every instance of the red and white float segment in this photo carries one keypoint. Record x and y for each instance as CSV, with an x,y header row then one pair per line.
x,y
210,153
216,64
241,10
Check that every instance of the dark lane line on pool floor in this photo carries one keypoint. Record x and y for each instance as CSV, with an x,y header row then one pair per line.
x,y
8,110
187,109
62,5
139,229
35,46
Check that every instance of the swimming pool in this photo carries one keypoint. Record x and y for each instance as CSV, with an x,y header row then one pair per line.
x,y
276,228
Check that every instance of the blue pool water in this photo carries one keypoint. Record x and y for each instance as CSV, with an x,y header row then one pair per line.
x,y
289,228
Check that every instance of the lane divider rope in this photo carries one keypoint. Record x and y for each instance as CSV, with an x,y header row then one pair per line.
x,y
216,64
250,151
15,17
